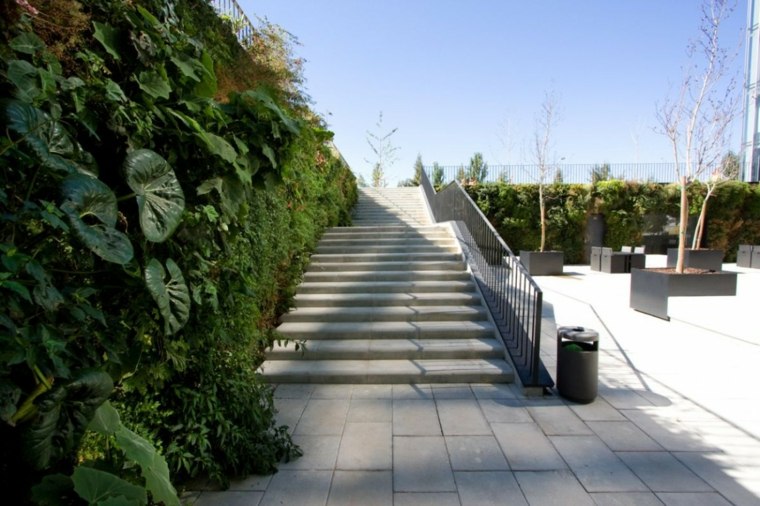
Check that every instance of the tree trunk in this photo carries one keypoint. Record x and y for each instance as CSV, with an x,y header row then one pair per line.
x,y
699,231
683,223
542,210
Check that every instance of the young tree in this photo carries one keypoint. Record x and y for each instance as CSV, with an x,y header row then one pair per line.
x,y
437,175
418,168
546,121
727,170
696,123
384,151
477,170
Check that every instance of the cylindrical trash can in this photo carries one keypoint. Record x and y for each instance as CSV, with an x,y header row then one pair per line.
x,y
577,363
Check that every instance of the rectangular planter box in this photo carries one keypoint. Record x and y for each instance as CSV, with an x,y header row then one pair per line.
x,y
543,263
595,262
650,289
744,255
711,259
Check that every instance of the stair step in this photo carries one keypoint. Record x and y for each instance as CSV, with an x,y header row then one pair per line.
x,y
382,248
386,266
388,371
387,330
387,349
385,257
397,286
385,299
387,276
381,241
386,314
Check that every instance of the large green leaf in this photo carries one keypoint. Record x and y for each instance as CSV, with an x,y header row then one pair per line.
x,y
262,96
172,295
25,77
89,200
54,490
109,37
207,87
153,466
27,43
160,199
187,65
47,138
97,487
220,147
45,293
154,84
63,413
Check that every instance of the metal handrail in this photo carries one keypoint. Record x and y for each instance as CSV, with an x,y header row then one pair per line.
x,y
241,25
513,297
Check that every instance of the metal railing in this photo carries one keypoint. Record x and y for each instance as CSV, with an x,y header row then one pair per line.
x,y
241,25
566,173
513,297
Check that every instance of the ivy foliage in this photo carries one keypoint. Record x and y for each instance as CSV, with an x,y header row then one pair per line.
x,y
150,237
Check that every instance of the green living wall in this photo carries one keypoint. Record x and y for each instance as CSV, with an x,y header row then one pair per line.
x,y
158,203
630,209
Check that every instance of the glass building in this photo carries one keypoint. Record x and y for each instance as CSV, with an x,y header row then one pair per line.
x,y
751,127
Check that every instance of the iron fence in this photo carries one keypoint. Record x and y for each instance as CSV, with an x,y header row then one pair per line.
x,y
513,297
241,25
566,173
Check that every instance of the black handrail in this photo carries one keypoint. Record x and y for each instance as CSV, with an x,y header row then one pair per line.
x,y
513,297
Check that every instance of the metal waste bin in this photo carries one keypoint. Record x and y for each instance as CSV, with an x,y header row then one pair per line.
x,y
578,363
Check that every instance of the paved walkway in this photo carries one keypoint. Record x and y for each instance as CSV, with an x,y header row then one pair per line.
x,y
677,421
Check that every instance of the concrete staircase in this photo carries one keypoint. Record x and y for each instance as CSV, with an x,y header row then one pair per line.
x,y
388,300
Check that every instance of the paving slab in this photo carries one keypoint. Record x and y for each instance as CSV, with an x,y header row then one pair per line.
x,y
305,488
558,421
624,436
413,417
461,417
489,488
505,410
526,447
370,410
475,453
323,417
366,446
421,464
319,452
553,487
366,488
662,472
426,499
625,499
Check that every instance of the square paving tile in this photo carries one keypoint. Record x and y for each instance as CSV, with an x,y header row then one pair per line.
x,y
289,411
293,391
304,488
493,391
526,447
253,482
421,464
692,499
596,466
558,421
626,499
365,488
505,410
475,453
486,488
412,392
624,436
323,417
366,446
229,498
319,452
662,472
553,487
370,410
415,417
372,392
426,499
332,391
452,391
462,417
720,471
599,410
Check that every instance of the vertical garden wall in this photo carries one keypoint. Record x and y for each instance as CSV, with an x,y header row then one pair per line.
x,y
159,197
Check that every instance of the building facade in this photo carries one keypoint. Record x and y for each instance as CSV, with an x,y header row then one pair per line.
x,y
751,126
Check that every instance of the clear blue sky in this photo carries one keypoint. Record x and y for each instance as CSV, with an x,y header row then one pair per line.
x,y
456,76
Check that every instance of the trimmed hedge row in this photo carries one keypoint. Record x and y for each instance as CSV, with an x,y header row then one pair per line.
x,y
629,209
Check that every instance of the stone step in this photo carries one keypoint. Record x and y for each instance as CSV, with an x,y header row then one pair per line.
x,y
386,314
330,276
386,266
386,349
387,330
392,232
399,229
355,242
375,287
388,371
385,257
329,249
385,299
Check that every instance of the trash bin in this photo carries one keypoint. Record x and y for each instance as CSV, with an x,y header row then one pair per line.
x,y
577,363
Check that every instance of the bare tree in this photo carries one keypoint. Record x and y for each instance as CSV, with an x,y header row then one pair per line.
x,y
697,122
546,121
384,150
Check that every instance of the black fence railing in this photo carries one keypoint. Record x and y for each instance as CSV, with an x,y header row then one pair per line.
x,y
513,297
565,173
241,25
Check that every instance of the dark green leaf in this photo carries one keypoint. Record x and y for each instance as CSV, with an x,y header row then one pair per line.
x,y
18,288
220,147
27,43
269,153
106,420
63,414
160,199
154,84
47,138
10,394
187,66
25,77
172,295
152,464
71,83
96,487
109,37
114,92
263,97
45,294
54,490
88,198
207,87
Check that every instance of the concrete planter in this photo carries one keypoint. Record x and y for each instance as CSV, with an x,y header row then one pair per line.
x,y
711,259
744,256
650,288
543,263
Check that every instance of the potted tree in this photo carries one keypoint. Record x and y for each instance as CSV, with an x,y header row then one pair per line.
x,y
696,124
543,262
